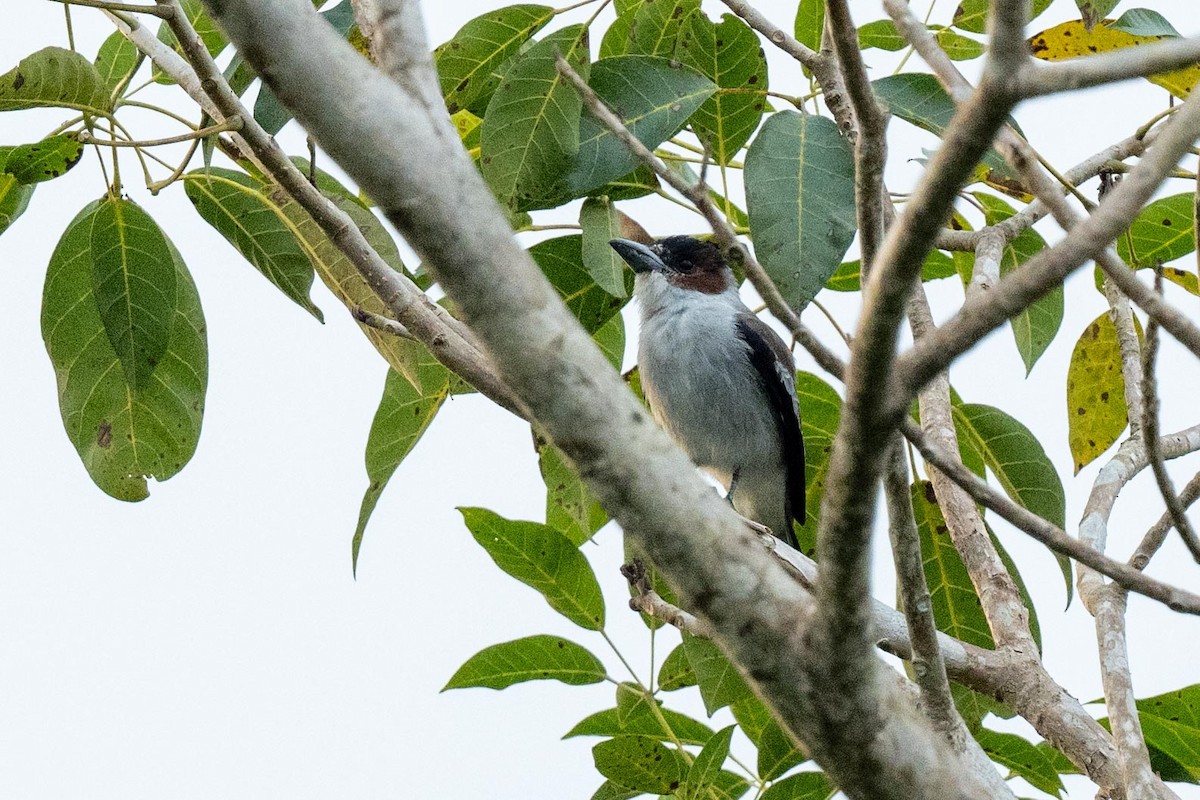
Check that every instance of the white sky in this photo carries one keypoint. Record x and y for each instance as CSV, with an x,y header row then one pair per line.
x,y
210,641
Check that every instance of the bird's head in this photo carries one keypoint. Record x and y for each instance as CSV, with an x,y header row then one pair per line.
x,y
683,261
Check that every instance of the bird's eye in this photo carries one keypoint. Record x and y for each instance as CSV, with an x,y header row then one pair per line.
x,y
683,265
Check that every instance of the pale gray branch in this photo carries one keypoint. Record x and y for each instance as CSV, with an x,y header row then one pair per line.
x,y
1157,534
409,160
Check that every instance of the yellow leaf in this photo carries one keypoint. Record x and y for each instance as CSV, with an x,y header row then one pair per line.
x,y
1072,39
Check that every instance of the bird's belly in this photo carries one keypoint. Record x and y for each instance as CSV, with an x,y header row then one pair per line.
x,y
707,396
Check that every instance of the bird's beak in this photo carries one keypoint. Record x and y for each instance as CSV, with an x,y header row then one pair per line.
x,y
638,256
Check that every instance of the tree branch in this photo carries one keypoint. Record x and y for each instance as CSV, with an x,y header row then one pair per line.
x,y
1037,79
445,337
408,158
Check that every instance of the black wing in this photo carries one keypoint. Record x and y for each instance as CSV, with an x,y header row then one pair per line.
x,y
773,362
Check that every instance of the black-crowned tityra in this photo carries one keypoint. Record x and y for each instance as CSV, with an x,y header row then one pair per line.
x,y
718,379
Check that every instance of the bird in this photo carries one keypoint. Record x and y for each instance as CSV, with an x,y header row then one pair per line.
x,y
718,379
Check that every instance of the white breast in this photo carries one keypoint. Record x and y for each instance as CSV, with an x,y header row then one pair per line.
x,y
697,376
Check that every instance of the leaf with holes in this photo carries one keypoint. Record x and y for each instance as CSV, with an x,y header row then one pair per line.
x,y
640,762
530,133
467,63
534,658
1096,412
731,56
41,161
544,559
658,26
800,197
1073,39
654,97
1161,233
55,78
570,508
238,207
124,432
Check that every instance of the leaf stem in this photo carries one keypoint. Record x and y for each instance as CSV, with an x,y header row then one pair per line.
x,y
156,11
232,124
621,656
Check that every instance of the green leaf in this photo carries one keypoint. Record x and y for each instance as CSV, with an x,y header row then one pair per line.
x,y
1096,412
344,280
611,791
467,63
202,23
534,658
639,183
810,23
653,97
729,54
956,607
116,61
800,196
752,716
124,432
1161,233
706,768
881,34
598,218
1171,724
619,37
972,14
608,723
405,412
848,276
1017,459
544,559
133,286
1144,22
640,762
1024,758
41,161
1035,327
561,260
55,78
959,47
820,414
1093,11
530,133
238,207
720,682
728,786
610,338
570,507
658,26
632,701
676,671
271,114
777,753
918,99
804,786
14,199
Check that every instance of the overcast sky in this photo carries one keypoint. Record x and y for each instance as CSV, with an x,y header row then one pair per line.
x,y
211,642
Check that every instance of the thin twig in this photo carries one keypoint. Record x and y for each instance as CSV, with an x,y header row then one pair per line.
x,y
1150,426
381,323
1157,534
